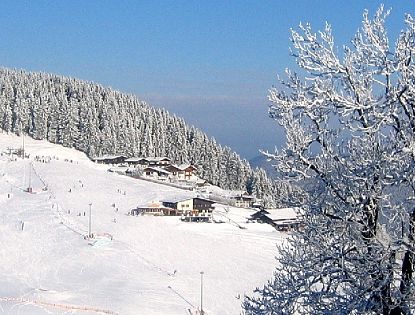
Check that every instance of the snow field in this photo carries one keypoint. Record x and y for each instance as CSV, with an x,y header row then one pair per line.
x,y
152,265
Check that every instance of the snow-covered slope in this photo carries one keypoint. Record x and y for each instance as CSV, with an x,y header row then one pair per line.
x,y
151,266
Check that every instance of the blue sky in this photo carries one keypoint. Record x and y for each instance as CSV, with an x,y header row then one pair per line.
x,y
210,62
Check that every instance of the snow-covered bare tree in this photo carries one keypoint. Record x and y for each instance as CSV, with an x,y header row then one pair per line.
x,y
349,118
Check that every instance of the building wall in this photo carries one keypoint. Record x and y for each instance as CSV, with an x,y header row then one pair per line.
x,y
185,205
242,203
201,204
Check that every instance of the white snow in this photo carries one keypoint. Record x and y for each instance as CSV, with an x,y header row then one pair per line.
x,y
284,214
151,266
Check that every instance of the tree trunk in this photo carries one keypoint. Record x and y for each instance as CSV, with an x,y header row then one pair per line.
x,y
407,270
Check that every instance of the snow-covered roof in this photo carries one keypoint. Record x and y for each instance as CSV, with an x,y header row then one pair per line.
x,y
182,167
181,198
157,158
185,166
107,157
148,159
152,204
284,214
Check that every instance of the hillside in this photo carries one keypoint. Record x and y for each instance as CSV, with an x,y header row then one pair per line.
x,y
98,120
152,265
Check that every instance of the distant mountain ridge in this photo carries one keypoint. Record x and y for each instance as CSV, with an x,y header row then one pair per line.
x,y
99,120
261,161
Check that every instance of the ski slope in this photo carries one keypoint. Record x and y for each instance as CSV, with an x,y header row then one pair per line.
x,y
150,266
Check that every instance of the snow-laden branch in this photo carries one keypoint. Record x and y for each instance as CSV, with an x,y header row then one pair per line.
x,y
349,119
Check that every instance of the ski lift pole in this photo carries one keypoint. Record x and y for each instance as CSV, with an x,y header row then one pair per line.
x,y
21,128
29,188
201,293
89,223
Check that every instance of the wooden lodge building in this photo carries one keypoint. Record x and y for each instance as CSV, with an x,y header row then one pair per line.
x,y
242,200
183,171
156,172
190,209
110,159
285,219
148,162
154,209
192,206
160,168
